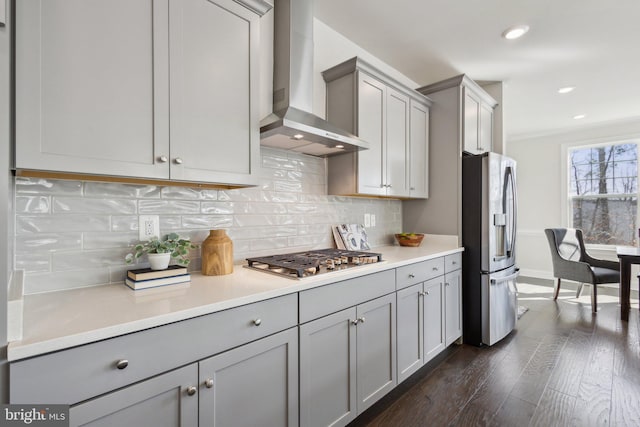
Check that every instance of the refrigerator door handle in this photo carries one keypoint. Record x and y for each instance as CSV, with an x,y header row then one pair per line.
x,y
514,213
506,278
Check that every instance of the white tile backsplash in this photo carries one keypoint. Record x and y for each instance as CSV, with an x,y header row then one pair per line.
x,y
73,234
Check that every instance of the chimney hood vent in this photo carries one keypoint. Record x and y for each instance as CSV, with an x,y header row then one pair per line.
x,y
292,126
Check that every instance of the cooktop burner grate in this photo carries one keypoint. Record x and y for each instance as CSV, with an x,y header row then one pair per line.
x,y
308,263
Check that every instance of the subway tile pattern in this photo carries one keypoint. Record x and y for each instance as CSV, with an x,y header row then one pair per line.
x,y
71,234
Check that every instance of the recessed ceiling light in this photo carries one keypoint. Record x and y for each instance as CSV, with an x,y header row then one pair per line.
x,y
515,32
579,116
298,136
566,89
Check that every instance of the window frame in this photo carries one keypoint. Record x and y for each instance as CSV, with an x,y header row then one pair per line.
x,y
566,210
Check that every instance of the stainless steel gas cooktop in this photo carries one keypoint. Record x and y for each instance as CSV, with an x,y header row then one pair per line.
x,y
310,263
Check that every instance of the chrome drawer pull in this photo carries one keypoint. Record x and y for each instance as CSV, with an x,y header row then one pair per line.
x,y
354,322
208,383
435,268
361,319
122,363
257,322
191,390
412,276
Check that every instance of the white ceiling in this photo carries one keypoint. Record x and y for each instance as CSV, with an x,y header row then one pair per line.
x,y
591,44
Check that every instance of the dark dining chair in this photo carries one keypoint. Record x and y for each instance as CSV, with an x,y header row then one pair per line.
x,y
571,262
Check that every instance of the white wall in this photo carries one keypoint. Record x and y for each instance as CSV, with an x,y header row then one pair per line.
x,y
541,174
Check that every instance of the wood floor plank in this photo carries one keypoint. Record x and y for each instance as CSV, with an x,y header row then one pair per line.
x,y
567,373
514,413
625,401
534,378
592,408
554,409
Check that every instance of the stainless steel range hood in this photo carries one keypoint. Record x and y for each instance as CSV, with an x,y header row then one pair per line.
x,y
292,126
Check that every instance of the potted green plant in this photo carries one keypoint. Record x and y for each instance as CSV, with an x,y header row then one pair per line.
x,y
160,251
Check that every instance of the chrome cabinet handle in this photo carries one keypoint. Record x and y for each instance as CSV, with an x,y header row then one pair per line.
x,y
208,383
446,283
122,363
412,276
257,322
163,159
191,390
423,293
435,268
178,161
361,319
354,322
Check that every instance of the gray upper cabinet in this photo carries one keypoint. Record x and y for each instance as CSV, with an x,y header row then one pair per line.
x,y
141,94
469,113
418,150
392,118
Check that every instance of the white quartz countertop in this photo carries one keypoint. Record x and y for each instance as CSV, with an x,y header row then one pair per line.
x,y
63,319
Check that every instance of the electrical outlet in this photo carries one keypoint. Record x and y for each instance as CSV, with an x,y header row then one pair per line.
x,y
373,220
367,220
148,227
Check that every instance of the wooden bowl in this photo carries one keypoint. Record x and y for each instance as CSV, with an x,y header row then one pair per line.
x,y
409,239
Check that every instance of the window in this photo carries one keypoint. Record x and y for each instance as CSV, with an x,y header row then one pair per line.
x,y
603,193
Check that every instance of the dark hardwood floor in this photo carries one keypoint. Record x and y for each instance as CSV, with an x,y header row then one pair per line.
x,y
560,367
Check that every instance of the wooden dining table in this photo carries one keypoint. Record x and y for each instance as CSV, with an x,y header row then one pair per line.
x,y
627,255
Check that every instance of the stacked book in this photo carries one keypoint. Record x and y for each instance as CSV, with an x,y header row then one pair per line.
x,y
143,278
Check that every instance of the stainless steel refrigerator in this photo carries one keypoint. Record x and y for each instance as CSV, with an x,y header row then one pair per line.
x,y
489,204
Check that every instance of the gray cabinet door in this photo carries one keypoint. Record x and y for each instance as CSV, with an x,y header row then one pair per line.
x,y
485,135
213,77
434,325
396,144
453,312
418,161
253,385
471,120
86,101
328,370
376,350
371,128
409,331
162,401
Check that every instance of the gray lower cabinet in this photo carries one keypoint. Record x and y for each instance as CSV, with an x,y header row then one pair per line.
x,y
167,400
429,315
347,362
453,308
420,325
142,94
434,318
214,392
252,385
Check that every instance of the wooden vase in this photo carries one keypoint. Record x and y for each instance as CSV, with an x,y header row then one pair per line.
x,y
217,254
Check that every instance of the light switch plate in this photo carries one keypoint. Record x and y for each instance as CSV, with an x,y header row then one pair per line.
x,y
367,220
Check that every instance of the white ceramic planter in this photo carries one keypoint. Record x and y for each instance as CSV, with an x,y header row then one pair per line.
x,y
159,261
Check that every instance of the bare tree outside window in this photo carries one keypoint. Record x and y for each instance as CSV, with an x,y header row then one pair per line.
x,y
603,192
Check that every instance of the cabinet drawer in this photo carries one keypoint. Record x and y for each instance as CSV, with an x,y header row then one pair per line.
x,y
411,274
73,375
324,300
452,262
